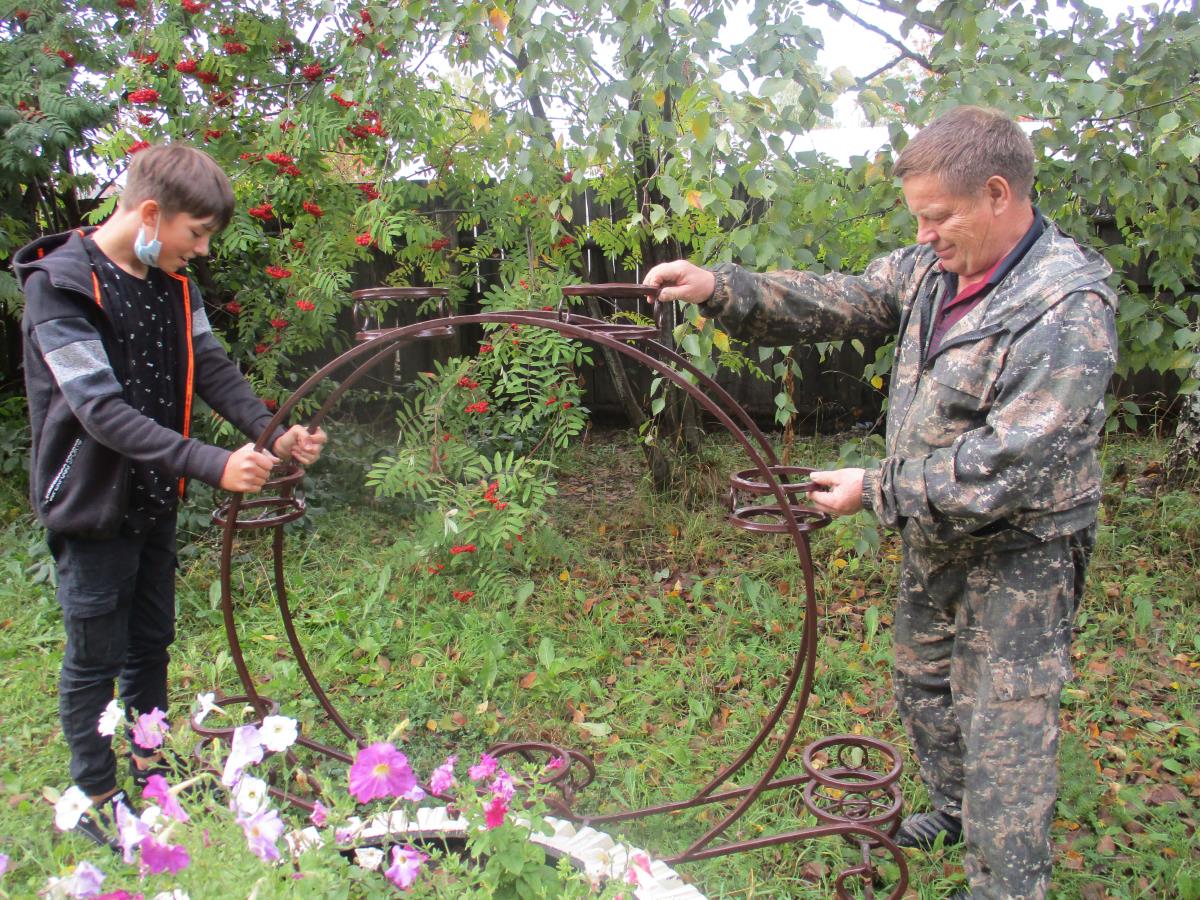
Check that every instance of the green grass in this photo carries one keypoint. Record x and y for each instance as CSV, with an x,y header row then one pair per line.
x,y
653,636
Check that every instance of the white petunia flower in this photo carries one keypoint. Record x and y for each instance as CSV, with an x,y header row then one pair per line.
x,y
131,831
70,806
250,795
370,858
83,881
208,704
110,718
278,733
152,816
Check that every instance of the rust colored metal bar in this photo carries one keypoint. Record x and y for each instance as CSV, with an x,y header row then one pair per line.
x,y
615,289
399,293
231,635
650,292
864,804
289,627
581,331
788,837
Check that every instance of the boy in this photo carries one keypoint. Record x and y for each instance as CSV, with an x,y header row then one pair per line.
x,y
116,344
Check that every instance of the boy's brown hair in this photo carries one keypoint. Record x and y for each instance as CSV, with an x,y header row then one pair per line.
x,y
181,179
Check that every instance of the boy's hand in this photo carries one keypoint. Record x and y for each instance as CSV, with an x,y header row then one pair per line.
x,y
681,280
296,443
247,470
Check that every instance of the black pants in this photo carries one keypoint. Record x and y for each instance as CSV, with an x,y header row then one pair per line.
x,y
118,602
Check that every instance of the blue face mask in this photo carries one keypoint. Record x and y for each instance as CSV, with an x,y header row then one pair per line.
x,y
147,251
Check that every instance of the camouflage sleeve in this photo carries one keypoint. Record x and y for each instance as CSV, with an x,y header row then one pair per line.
x,y
1036,449
799,307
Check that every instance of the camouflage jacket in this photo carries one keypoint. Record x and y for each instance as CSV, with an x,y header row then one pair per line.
x,y
996,431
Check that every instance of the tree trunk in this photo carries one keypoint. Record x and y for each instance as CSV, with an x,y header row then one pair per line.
x,y
1183,462
657,461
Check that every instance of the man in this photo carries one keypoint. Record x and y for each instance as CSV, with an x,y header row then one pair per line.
x,y
1005,345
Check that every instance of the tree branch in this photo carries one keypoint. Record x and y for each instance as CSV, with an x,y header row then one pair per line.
x,y
898,9
1132,112
867,79
905,52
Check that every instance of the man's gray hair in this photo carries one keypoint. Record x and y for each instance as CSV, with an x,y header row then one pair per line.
x,y
967,146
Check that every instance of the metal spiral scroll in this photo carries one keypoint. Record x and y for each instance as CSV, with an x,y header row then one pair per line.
x,y
849,784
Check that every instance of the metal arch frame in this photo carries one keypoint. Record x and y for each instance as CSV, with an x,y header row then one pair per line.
x,y
864,804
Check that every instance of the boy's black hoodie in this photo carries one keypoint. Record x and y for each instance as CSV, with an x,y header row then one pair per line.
x,y
84,432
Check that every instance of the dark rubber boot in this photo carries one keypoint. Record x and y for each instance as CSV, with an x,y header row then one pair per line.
x,y
921,830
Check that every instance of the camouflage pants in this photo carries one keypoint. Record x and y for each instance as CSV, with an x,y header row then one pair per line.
x,y
982,643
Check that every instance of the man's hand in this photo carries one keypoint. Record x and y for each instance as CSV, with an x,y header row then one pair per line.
x,y
839,493
247,470
681,280
297,444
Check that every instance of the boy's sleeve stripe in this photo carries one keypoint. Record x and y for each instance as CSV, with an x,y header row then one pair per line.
x,y
77,360
55,333
200,323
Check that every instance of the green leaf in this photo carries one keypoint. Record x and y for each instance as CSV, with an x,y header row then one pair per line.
x,y
1189,146
1169,122
545,652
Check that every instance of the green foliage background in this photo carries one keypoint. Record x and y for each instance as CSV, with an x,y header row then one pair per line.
x,y
487,120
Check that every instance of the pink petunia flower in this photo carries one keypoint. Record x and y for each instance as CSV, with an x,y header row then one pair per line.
x,y
502,786
158,790
158,858
245,750
493,816
485,769
262,830
639,868
442,778
150,729
381,770
406,865
319,815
